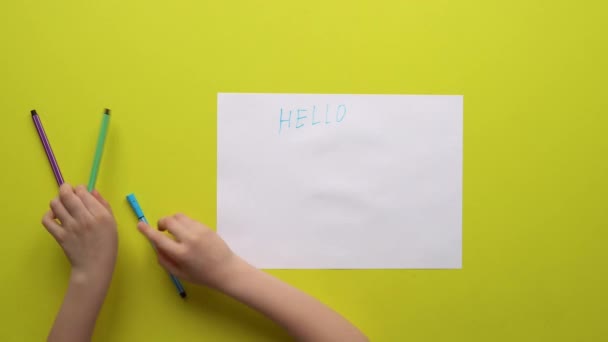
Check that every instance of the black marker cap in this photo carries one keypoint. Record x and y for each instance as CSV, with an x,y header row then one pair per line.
x,y
34,112
107,111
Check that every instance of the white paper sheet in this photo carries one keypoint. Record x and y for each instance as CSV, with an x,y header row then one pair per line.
x,y
341,181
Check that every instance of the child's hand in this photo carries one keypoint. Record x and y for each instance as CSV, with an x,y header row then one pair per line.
x,y
86,231
197,254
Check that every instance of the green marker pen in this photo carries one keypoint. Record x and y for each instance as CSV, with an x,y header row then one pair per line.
x,y
103,131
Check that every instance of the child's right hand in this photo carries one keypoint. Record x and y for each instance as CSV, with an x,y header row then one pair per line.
x,y
197,254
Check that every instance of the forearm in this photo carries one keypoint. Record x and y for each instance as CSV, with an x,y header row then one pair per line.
x,y
301,315
81,305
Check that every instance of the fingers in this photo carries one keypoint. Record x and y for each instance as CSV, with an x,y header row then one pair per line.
x,y
162,242
167,263
183,219
59,211
71,202
174,226
101,200
89,201
52,226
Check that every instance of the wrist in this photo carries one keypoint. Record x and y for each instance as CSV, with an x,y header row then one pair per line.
x,y
236,273
98,277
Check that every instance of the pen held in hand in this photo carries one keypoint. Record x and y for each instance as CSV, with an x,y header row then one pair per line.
x,y
47,148
103,131
140,217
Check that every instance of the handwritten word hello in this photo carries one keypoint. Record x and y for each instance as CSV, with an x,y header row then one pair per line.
x,y
302,117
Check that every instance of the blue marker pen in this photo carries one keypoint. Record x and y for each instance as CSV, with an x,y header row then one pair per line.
x,y
140,217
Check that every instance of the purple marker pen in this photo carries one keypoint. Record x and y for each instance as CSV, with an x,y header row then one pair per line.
x,y
47,148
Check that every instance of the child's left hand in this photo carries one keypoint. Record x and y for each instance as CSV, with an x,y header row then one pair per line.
x,y
86,231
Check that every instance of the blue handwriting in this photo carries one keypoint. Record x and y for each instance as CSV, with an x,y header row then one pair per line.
x,y
311,116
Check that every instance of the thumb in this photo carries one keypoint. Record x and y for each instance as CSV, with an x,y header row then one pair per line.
x,y
162,242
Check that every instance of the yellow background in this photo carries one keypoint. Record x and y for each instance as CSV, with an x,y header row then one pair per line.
x,y
533,75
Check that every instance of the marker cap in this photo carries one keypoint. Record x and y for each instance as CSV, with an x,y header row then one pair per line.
x,y
135,206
